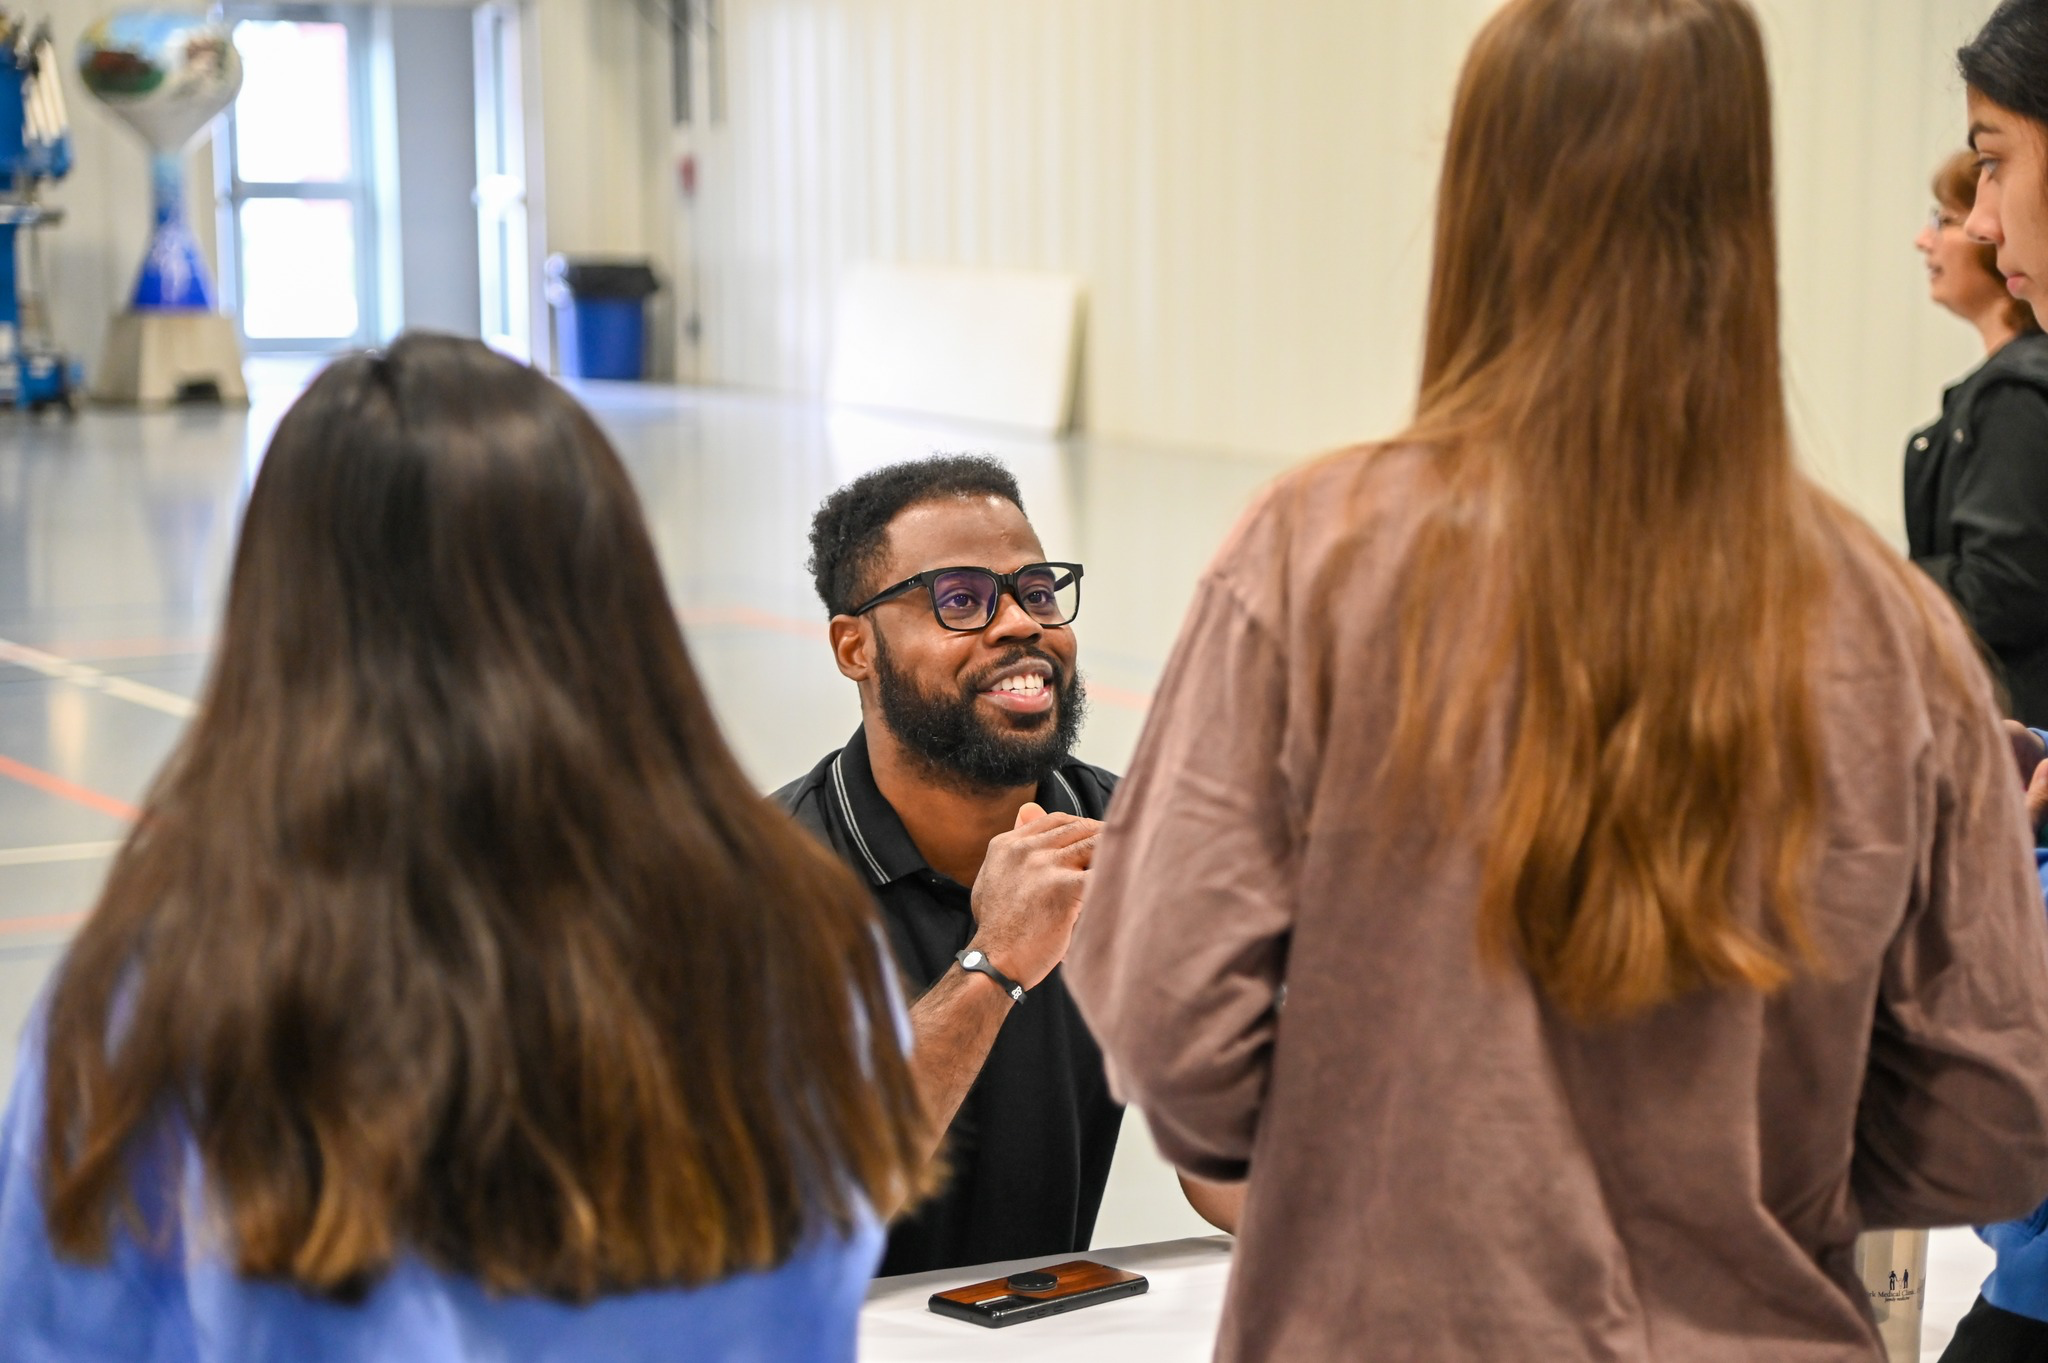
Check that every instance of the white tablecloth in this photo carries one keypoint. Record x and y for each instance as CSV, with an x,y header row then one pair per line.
x,y
1174,1322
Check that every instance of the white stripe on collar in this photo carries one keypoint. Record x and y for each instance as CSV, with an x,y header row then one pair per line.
x,y
1060,777
853,824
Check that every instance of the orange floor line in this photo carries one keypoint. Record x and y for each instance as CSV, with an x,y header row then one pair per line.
x,y
49,922
694,617
51,784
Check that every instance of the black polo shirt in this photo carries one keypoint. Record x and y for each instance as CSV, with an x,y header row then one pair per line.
x,y
1029,1150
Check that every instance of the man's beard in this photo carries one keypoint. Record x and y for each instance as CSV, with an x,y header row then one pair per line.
x,y
965,748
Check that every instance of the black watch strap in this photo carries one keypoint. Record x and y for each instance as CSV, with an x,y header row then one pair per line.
x,y
976,960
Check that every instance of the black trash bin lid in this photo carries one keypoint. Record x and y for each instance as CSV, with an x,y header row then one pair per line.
x,y
631,279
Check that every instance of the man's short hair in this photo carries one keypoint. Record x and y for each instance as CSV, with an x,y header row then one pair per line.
x,y
850,533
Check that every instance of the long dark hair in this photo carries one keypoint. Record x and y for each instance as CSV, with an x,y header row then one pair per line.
x,y
1626,534
452,925
2007,62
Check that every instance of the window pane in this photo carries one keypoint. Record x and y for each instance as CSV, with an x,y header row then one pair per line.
x,y
502,111
292,118
298,269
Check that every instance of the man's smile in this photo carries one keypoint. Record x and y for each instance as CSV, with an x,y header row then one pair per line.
x,y
1023,688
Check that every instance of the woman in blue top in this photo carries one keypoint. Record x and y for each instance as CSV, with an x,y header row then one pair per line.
x,y
455,997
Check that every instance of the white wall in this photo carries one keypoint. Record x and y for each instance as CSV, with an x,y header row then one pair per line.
x,y
1246,184
1869,102
434,90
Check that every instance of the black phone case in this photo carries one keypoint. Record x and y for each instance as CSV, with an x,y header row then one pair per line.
x,y
1011,1308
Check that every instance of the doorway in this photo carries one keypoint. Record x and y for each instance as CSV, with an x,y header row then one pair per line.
x,y
300,267
505,265
369,179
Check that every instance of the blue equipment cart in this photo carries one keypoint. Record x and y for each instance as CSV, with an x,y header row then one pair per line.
x,y
35,148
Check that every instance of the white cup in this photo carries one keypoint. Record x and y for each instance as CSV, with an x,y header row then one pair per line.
x,y
1893,1266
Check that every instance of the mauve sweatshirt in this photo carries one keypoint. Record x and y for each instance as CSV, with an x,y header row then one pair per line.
x,y
1441,1166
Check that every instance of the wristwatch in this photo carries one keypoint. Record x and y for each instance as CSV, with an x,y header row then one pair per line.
x,y
976,960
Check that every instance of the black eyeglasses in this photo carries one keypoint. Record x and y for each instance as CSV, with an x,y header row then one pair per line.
x,y
966,599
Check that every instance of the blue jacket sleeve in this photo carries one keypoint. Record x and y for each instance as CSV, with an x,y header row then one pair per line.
x,y
128,1308
2019,1283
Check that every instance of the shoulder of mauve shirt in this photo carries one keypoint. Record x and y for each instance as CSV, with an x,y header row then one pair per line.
x,y
1882,616
1309,516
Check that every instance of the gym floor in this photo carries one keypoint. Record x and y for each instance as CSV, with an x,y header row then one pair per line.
x,y
116,532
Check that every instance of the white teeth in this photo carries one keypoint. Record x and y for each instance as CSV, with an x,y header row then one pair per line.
x,y
1030,684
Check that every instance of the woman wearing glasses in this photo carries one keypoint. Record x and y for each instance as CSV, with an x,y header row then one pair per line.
x,y
1977,479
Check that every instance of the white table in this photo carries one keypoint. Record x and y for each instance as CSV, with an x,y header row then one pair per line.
x,y
1174,1322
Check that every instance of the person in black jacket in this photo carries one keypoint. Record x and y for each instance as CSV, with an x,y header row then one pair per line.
x,y
1977,479
2008,109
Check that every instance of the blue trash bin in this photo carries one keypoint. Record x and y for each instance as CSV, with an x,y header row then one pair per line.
x,y
601,316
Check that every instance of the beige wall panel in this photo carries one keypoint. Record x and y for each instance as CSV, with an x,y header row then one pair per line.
x,y
1868,102
1245,186
1201,163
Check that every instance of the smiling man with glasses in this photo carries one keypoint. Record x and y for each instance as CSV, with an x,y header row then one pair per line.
x,y
960,802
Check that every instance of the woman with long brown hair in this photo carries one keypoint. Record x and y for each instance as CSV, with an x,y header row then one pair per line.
x,y
1572,869
455,997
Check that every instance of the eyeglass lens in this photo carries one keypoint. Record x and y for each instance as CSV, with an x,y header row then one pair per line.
x,y
966,599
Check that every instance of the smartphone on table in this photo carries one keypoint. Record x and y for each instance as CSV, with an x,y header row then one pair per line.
x,y
1038,1292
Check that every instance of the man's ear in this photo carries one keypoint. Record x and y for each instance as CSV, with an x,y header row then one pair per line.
x,y
853,647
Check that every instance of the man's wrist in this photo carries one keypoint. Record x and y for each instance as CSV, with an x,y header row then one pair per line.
x,y
975,960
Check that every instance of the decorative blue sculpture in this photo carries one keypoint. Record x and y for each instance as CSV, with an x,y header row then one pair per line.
x,y
165,75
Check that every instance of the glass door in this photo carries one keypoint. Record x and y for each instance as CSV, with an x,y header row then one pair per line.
x,y
297,229
501,200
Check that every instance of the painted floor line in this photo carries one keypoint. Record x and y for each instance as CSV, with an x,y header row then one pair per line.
x,y
35,952
58,851
49,922
108,650
746,617
52,784
92,679
1119,697
699,617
